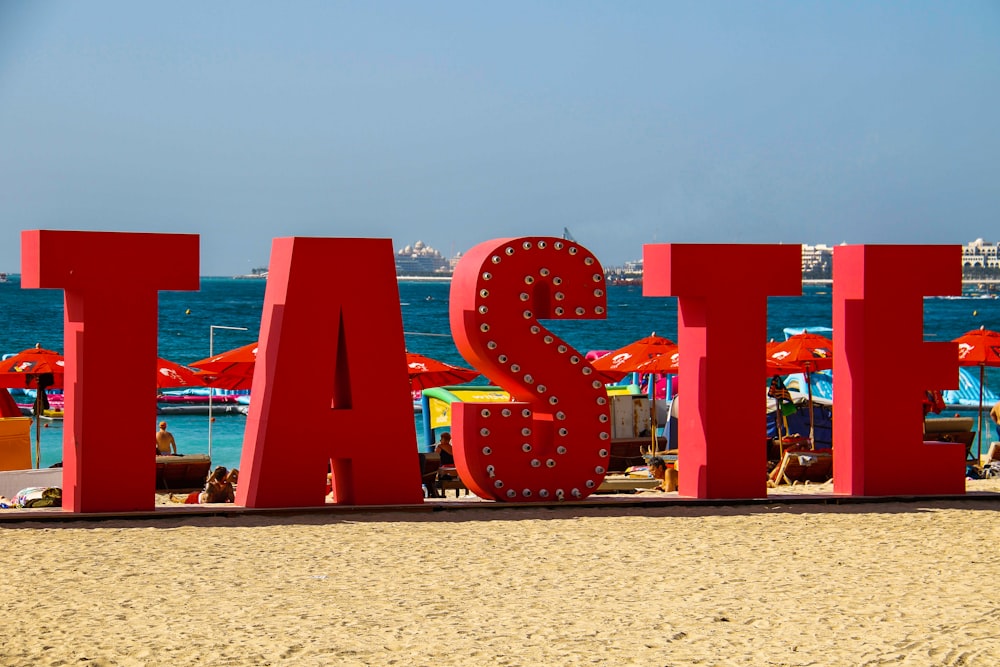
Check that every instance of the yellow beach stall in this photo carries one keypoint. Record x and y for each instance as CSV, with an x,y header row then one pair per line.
x,y
15,443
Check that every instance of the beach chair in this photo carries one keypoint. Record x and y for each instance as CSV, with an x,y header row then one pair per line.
x,y
951,429
429,464
803,466
447,478
438,478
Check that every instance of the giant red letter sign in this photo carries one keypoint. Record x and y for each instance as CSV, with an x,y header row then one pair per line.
x,y
330,381
111,282
878,316
551,443
722,331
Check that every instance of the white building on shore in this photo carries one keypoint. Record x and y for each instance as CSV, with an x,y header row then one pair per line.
x,y
421,259
815,257
981,253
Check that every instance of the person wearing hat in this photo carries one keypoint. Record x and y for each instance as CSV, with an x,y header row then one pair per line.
x,y
165,443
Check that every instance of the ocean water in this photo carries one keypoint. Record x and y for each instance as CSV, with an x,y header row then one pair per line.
x,y
36,316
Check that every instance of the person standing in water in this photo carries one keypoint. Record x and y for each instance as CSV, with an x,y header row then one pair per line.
x,y
165,443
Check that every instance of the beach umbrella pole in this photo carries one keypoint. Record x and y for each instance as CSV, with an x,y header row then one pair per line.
x,y
979,443
652,416
38,429
812,430
211,390
777,423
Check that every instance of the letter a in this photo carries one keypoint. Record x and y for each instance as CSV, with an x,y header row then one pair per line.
x,y
330,381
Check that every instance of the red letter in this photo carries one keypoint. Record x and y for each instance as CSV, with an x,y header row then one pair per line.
x,y
330,381
882,367
552,442
111,280
722,331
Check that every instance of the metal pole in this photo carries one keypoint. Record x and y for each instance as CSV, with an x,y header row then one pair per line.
x,y
211,390
38,426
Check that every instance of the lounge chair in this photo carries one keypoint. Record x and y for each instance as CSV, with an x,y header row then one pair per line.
x,y
951,429
803,466
447,478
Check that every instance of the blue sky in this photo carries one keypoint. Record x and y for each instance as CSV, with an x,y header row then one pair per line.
x,y
459,122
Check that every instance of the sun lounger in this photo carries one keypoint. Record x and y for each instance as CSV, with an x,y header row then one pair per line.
x,y
447,478
439,478
13,481
951,429
803,466
188,471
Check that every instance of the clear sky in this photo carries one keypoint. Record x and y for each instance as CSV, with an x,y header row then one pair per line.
x,y
627,122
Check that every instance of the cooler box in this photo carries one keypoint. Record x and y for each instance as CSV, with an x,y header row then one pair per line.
x,y
15,443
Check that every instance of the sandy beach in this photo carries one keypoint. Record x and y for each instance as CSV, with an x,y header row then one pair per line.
x,y
900,583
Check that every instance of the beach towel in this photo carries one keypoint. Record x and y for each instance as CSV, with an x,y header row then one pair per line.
x,y
990,470
39,496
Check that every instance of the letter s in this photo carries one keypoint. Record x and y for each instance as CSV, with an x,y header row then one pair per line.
x,y
552,442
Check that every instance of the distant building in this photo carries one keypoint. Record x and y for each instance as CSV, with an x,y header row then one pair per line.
x,y
628,274
981,254
420,259
817,261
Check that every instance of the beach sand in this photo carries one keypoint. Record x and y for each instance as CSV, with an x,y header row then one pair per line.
x,y
778,584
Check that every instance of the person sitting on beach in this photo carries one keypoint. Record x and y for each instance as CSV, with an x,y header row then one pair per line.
x,y
165,443
218,488
444,448
667,476
995,416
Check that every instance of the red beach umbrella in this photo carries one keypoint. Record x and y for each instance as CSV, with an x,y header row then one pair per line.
x,y
170,375
232,369
23,368
652,354
39,368
237,372
805,352
775,367
667,362
224,380
238,362
425,372
979,347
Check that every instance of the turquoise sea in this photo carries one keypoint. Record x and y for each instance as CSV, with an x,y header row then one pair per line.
x,y
36,316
